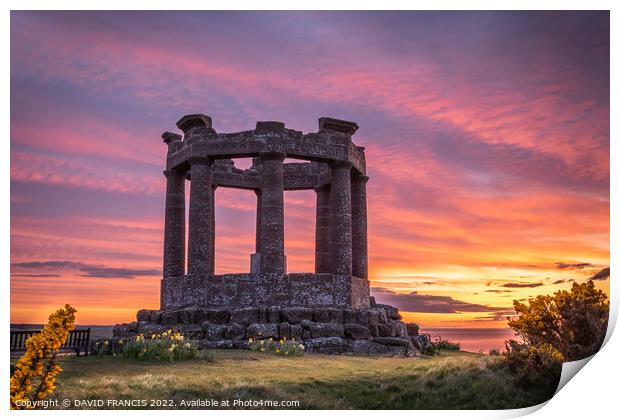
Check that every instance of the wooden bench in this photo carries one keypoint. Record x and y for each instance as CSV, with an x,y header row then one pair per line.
x,y
78,340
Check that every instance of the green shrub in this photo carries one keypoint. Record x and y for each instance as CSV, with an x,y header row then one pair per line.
x,y
440,345
446,345
168,345
574,323
531,365
281,348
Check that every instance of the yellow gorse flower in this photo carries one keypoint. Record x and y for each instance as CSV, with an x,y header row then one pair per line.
x,y
35,373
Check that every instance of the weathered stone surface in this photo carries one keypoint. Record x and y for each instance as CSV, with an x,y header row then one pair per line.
x,y
148,329
284,330
201,315
328,345
412,329
356,332
390,311
381,335
340,218
296,331
170,317
265,289
274,315
320,315
384,330
187,316
349,316
263,331
393,341
235,332
368,347
143,315
218,316
320,329
121,330
263,315
245,316
421,342
213,331
219,344
397,329
191,331
363,317
295,315
200,259
377,316
336,315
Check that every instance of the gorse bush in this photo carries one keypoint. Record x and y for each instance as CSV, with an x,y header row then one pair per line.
x,y
494,352
440,345
282,347
34,375
169,345
573,323
446,345
556,328
531,365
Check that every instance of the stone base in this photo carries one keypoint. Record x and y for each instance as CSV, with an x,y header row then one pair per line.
x,y
265,289
374,331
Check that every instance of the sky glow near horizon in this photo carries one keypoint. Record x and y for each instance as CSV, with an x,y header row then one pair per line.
x,y
486,136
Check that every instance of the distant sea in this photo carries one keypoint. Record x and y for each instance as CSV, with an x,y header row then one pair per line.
x,y
474,339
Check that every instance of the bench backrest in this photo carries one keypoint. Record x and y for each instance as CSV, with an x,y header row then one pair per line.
x,y
78,338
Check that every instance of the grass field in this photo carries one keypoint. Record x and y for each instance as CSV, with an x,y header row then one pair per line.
x,y
453,380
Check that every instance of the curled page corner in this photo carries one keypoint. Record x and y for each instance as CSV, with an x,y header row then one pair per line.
x,y
570,369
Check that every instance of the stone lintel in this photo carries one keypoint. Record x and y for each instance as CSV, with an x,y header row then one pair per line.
x,y
297,176
221,147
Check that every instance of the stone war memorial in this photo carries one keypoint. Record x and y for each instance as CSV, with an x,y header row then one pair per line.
x,y
330,310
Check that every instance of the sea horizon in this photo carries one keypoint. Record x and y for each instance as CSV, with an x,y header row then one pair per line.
x,y
473,339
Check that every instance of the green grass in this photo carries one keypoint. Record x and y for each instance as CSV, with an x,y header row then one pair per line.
x,y
451,380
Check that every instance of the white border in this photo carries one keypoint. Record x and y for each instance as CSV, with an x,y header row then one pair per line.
x,y
590,396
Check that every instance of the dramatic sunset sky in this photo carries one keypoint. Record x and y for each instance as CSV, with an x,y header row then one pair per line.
x,y
486,135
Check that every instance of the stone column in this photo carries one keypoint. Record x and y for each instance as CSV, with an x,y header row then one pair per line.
x,y
174,227
201,234
340,218
272,259
321,248
255,258
213,189
359,226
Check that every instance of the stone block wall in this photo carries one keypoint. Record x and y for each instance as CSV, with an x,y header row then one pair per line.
x,y
332,330
268,289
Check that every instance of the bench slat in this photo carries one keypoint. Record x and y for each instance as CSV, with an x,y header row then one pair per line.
x,y
77,340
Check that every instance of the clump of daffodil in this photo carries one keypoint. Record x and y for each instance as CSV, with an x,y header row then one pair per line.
x,y
168,345
282,347
35,373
